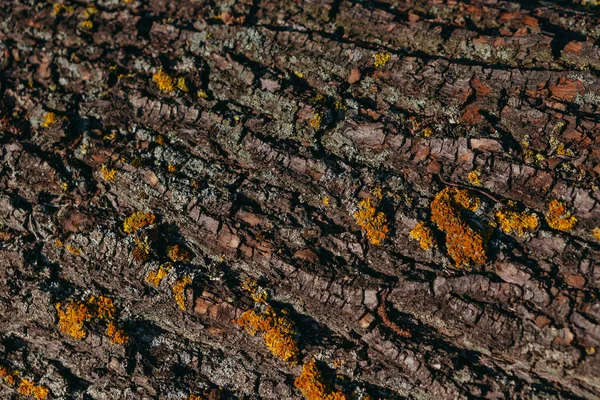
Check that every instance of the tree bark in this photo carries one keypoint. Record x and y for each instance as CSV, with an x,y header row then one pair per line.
x,y
277,120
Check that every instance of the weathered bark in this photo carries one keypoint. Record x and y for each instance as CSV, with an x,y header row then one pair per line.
x,y
257,170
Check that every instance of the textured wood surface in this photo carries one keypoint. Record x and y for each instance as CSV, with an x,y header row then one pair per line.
x,y
288,114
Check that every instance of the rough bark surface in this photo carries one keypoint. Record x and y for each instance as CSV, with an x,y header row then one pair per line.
x,y
257,169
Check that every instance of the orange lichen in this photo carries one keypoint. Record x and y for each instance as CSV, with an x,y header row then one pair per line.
x,y
141,253
179,290
104,308
377,193
74,314
9,378
164,82
26,387
40,392
463,243
194,397
87,24
279,332
381,59
76,251
172,168
250,285
176,253
29,388
316,121
311,384
138,220
258,293
108,173
326,201
559,217
424,235
372,222
560,148
155,277
474,177
49,119
117,336
518,222
596,232
72,319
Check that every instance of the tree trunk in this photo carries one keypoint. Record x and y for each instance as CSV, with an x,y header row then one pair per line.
x,y
282,157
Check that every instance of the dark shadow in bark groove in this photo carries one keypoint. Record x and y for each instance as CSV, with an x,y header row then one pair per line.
x,y
143,333
75,384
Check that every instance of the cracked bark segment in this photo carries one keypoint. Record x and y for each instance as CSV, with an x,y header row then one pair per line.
x,y
238,172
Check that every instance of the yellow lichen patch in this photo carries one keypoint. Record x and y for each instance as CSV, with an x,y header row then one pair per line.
x,y
559,217
179,291
159,140
596,232
258,293
89,11
138,220
316,121
463,243
474,177
312,385
71,320
172,168
377,193
50,119
8,377
76,251
87,25
108,173
326,201
116,336
518,222
29,388
26,387
427,132
164,81
155,277
58,243
59,8
40,392
372,222
260,296
299,74
201,94
181,85
560,148
381,59
141,253
250,285
424,235
195,397
104,308
279,332
176,253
